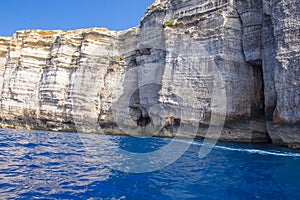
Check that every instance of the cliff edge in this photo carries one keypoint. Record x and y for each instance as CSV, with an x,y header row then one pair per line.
x,y
189,68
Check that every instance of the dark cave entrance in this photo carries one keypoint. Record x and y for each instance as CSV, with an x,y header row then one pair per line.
x,y
143,121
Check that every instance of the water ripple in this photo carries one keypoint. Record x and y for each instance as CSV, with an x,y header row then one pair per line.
x,y
47,165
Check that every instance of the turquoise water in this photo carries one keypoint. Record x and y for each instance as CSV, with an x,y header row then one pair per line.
x,y
48,165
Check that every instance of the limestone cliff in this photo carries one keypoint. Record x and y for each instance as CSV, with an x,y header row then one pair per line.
x,y
189,61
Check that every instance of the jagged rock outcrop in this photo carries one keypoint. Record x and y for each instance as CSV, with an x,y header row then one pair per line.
x,y
189,62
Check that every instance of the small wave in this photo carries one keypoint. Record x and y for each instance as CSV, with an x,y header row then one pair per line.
x,y
250,151
261,152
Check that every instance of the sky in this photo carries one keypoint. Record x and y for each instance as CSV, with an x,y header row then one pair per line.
x,y
70,14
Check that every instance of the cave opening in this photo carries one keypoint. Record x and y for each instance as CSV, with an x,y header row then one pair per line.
x,y
258,101
143,121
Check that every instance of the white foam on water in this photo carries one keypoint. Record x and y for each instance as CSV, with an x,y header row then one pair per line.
x,y
250,151
261,152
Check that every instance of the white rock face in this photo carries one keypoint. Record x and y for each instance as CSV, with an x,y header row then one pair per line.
x,y
186,66
4,44
39,71
281,70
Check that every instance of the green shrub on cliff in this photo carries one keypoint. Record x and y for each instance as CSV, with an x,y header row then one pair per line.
x,y
171,23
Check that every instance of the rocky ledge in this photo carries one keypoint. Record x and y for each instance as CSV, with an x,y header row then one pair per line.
x,y
191,67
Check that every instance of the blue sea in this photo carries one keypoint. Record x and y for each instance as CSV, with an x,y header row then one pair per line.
x,y
50,165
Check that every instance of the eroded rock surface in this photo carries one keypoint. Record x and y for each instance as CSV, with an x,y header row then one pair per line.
x,y
188,64
282,71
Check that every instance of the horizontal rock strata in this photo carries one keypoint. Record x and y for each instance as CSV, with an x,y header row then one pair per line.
x,y
225,70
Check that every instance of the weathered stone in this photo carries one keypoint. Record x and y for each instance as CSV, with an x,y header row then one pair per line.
x,y
281,39
188,64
